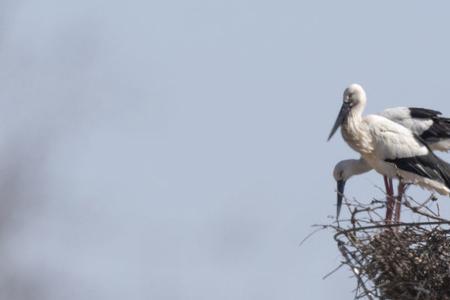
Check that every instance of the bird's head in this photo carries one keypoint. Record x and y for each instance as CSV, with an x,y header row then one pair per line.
x,y
341,174
354,99
354,95
342,170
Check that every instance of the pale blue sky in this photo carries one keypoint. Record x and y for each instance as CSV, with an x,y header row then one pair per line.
x,y
177,149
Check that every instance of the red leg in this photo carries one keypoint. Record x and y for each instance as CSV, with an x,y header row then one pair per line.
x,y
389,199
391,185
398,204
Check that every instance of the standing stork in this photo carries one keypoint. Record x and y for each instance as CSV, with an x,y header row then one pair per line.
x,y
425,123
390,148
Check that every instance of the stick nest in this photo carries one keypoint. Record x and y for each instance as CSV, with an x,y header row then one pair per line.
x,y
409,260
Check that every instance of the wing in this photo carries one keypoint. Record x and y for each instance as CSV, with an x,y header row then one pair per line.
x,y
423,122
429,166
423,113
396,144
391,140
440,129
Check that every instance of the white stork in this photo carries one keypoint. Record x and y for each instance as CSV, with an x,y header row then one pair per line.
x,y
425,123
390,148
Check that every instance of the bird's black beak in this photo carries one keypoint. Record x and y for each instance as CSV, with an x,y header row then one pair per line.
x,y
343,113
340,196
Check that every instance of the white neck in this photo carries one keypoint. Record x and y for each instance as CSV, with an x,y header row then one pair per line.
x,y
354,131
357,111
357,166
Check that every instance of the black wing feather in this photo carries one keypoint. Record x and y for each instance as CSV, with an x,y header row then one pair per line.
x,y
438,131
429,166
423,113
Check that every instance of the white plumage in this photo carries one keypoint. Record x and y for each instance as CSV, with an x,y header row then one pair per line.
x,y
392,149
425,123
345,169
384,143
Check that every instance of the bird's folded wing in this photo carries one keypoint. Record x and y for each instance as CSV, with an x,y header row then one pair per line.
x,y
392,141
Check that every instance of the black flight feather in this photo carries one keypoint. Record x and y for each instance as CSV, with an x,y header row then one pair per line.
x,y
429,166
423,113
440,129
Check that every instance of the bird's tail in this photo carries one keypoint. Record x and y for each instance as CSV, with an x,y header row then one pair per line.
x,y
443,168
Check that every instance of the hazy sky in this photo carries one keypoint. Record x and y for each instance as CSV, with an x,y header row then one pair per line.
x,y
177,149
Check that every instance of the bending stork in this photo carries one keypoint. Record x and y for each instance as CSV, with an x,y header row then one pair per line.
x,y
425,123
350,167
389,148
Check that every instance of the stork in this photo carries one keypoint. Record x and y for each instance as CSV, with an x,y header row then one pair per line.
x,y
390,148
425,123
351,167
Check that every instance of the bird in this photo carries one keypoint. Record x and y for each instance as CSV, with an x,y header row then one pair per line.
x,y
342,172
428,124
351,167
388,147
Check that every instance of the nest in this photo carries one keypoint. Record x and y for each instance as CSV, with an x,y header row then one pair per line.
x,y
409,260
